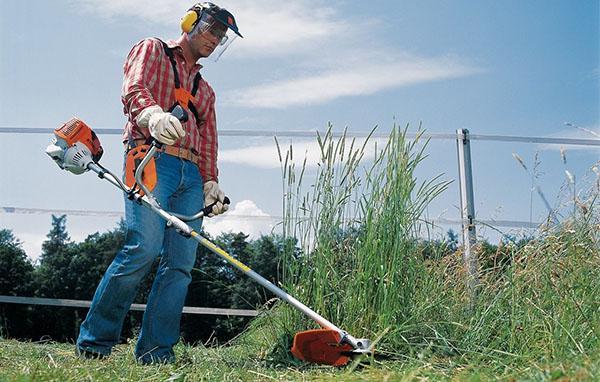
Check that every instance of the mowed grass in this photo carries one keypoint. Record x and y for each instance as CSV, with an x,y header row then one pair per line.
x,y
21,361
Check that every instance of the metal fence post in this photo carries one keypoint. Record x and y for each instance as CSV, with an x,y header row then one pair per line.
x,y
467,209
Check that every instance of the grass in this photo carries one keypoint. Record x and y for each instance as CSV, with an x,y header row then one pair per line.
x,y
57,362
356,226
359,225
536,315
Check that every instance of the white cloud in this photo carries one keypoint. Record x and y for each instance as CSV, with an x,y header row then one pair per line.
x,y
358,80
266,156
245,217
273,27
269,27
344,55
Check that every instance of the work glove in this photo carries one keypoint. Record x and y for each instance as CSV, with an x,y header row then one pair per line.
x,y
164,127
212,194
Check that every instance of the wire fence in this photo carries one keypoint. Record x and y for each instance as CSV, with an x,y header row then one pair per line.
x,y
467,223
350,134
306,134
274,218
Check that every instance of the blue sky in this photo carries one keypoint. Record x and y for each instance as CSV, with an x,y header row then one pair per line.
x,y
509,67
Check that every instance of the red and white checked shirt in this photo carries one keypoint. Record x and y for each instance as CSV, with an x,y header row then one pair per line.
x,y
149,80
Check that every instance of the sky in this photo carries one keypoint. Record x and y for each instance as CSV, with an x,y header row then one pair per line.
x,y
500,68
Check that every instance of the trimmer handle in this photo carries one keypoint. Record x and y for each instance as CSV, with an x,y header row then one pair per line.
x,y
177,112
181,115
208,209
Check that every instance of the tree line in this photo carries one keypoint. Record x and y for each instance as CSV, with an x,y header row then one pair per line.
x,y
69,270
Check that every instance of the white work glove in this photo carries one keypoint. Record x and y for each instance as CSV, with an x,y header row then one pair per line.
x,y
212,194
164,127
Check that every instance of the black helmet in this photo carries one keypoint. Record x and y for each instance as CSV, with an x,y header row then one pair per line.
x,y
198,10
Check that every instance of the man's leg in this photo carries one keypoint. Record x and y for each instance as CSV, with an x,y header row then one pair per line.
x,y
101,329
160,327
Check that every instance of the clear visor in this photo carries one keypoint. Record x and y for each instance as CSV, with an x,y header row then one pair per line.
x,y
207,24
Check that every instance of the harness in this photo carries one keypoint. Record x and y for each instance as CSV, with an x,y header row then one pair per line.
x,y
182,97
136,151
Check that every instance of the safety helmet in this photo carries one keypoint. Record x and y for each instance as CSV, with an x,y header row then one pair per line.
x,y
208,17
194,15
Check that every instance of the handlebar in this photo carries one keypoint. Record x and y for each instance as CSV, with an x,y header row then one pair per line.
x,y
181,115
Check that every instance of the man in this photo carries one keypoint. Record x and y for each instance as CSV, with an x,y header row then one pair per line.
x,y
157,77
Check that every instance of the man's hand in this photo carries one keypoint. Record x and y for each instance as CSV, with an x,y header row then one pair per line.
x,y
164,127
212,194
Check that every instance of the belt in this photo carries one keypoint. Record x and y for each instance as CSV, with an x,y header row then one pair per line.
x,y
182,153
179,152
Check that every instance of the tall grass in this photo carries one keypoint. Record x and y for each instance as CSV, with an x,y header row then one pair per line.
x,y
361,267
357,227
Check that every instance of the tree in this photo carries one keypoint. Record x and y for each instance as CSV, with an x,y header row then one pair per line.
x,y
91,258
58,237
16,276
53,280
70,270
212,279
53,276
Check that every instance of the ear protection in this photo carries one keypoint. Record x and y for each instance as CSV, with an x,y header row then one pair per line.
x,y
190,19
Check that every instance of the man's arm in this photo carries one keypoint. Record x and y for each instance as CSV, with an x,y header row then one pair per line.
x,y
210,171
140,71
212,191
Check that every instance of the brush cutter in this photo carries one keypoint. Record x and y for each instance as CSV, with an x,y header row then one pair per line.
x,y
76,148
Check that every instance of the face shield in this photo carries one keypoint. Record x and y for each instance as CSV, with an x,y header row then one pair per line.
x,y
217,29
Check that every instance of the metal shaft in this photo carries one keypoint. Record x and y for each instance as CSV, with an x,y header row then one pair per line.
x,y
180,225
266,283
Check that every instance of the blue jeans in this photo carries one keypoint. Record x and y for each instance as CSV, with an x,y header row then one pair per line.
x,y
178,189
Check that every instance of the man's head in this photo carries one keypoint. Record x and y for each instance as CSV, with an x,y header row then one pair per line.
x,y
206,27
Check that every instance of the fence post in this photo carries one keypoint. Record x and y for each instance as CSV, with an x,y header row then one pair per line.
x,y
467,209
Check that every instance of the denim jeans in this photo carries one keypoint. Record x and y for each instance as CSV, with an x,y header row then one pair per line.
x,y
178,189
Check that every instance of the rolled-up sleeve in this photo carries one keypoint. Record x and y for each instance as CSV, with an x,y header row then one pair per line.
x,y
140,72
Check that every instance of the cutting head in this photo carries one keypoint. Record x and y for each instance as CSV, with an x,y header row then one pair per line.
x,y
327,347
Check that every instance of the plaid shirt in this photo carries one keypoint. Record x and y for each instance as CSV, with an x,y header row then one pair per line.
x,y
149,80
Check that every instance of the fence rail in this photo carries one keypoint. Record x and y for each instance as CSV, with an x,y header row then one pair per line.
x,y
142,307
96,213
312,133
468,221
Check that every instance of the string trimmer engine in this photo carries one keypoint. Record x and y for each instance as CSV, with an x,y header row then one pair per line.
x,y
75,146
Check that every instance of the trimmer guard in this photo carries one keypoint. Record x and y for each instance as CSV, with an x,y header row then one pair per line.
x,y
322,346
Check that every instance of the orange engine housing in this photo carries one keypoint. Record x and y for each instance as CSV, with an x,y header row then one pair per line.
x,y
75,130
